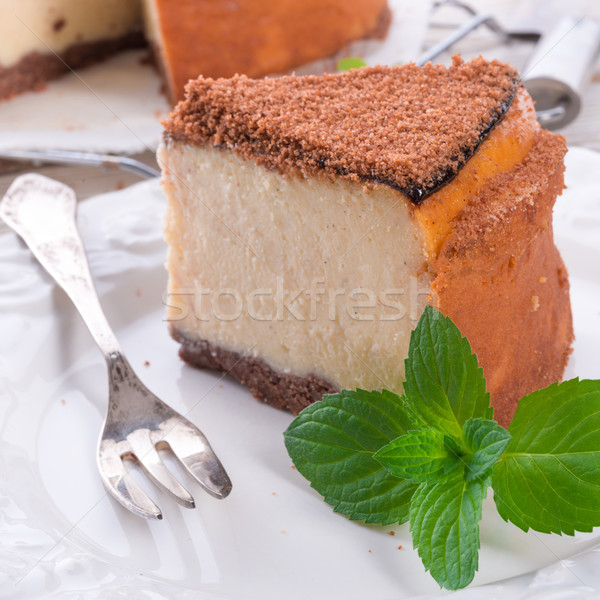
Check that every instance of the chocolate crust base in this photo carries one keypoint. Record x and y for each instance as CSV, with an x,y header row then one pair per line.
x,y
35,69
288,392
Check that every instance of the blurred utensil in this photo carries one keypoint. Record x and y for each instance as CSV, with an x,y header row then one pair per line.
x,y
71,157
559,68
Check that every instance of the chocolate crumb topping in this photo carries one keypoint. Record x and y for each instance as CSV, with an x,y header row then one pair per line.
x,y
408,127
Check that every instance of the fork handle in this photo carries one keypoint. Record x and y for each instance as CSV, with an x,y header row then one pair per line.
x,y
42,212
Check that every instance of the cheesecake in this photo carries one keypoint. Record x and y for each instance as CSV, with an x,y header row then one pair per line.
x,y
311,219
43,39
254,37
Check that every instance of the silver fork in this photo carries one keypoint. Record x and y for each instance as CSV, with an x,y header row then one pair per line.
x,y
137,424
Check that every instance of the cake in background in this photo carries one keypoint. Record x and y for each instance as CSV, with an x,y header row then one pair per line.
x,y
43,39
253,37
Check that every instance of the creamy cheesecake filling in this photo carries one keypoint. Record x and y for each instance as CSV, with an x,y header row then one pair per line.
x,y
326,276
29,26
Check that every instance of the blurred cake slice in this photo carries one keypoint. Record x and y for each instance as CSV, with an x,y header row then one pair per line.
x,y
41,40
255,37
311,219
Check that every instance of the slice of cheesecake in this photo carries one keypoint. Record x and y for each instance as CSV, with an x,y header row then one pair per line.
x,y
254,37
41,40
311,219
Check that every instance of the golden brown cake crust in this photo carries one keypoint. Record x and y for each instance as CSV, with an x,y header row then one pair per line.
x,y
259,37
409,127
502,281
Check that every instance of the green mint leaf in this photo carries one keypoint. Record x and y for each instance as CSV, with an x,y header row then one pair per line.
x,y
421,456
444,383
486,441
332,443
549,476
351,62
444,523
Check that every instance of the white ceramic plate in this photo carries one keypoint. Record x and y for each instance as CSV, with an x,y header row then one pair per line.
x,y
273,537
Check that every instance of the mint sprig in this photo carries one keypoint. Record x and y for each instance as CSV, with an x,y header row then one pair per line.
x,y
430,455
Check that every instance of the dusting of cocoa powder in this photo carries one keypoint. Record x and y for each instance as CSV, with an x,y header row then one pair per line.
x,y
408,127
